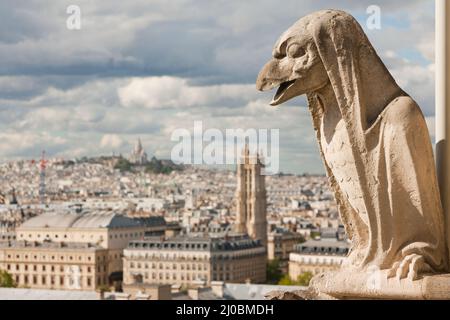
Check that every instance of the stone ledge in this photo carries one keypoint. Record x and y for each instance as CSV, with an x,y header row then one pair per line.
x,y
358,286
287,295
354,285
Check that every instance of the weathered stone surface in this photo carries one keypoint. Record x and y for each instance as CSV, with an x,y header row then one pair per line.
x,y
309,294
284,295
377,153
349,285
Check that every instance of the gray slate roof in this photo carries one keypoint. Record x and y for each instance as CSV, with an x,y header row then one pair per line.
x,y
203,243
323,246
86,220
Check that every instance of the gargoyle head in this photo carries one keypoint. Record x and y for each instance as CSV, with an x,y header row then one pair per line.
x,y
296,67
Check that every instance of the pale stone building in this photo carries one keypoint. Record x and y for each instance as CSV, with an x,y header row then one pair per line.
x,y
280,244
7,236
187,260
51,265
251,198
317,256
88,245
138,155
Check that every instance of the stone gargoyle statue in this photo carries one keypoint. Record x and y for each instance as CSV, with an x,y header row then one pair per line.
x,y
377,152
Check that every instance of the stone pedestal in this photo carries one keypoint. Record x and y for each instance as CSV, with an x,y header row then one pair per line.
x,y
353,285
361,286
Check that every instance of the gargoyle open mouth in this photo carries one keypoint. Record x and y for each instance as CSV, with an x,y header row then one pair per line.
x,y
282,89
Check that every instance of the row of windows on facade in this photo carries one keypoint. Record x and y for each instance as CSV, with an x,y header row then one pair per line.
x,y
175,276
323,261
7,237
112,236
132,265
150,245
59,257
313,270
52,268
174,266
187,276
279,244
196,246
331,250
167,256
57,280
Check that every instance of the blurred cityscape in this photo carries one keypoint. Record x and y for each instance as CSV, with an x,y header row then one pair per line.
x,y
130,227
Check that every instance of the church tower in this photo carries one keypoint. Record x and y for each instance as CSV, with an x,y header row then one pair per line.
x,y
251,197
138,155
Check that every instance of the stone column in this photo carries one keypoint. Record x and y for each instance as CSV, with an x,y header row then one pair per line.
x,y
443,105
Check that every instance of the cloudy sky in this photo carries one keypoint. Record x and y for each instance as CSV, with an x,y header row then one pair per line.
x,y
142,68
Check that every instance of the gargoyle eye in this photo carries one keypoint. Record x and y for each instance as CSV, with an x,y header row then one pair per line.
x,y
280,53
295,51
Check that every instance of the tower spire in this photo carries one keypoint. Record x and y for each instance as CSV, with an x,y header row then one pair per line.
x,y
138,146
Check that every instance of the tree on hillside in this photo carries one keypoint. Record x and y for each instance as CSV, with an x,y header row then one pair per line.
x,y
123,165
160,166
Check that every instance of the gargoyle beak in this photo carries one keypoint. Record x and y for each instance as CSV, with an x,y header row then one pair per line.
x,y
273,75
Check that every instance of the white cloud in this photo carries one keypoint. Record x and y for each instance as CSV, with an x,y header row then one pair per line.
x,y
172,92
418,82
16,145
111,141
70,92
